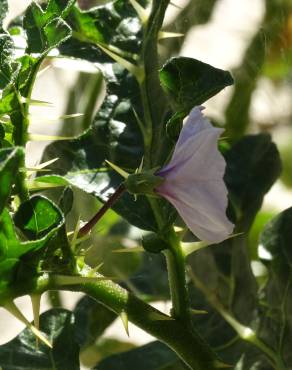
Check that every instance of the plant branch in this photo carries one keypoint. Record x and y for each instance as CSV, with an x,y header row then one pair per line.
x,y
188,344
177,279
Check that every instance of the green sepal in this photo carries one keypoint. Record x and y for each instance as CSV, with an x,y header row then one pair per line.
x,y
143,183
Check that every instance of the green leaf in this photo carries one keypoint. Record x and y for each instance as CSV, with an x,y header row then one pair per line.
x,y
55,32
276,239
152,356
189,82
151,279
37,217
115,24
22,353
10,160
91,320
6,61
66,200
8,102
45,29
58,8
253,165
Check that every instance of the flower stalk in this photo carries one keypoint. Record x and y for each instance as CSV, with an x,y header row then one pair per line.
x,y
111,201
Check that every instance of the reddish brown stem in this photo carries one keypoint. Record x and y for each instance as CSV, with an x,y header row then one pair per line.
x,y
113,198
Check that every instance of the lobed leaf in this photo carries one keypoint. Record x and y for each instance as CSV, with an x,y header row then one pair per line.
x,y
114,24
6,61
46,29
10,160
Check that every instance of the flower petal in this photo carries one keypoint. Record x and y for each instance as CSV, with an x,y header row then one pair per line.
x,y
194,180
192,137
202,207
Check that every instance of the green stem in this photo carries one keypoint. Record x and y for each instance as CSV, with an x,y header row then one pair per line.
x,y
177,279
188,344
148,131
20,122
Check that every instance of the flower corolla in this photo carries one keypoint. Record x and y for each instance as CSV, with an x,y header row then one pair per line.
x,y
193,179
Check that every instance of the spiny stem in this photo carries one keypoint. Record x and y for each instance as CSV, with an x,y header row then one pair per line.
x,y
188,344
90,224
177,279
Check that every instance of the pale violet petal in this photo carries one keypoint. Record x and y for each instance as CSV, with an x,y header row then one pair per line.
x,y
193,124
196,155
194,180
202,210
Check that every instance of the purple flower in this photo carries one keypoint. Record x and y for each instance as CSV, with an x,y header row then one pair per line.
x,y
194,180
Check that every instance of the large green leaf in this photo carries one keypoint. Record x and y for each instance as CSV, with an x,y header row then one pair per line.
x,y
152,356
253,165
189,82
22,352
10,160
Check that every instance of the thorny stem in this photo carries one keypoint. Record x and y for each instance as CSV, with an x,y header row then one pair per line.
x,y
177,279
174,256
90,224
188,344
20,121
